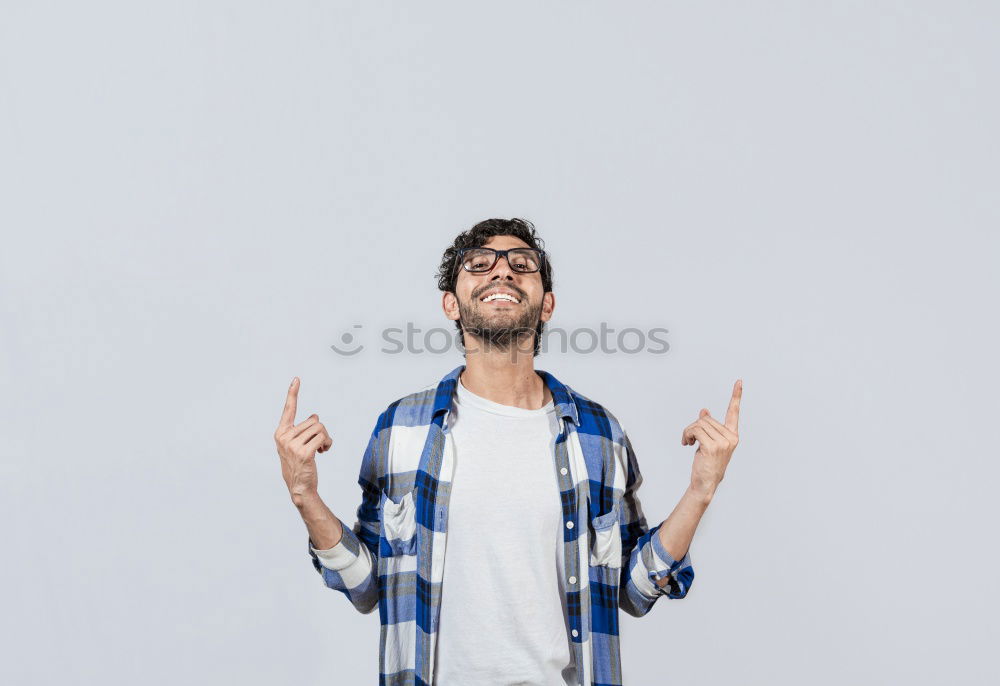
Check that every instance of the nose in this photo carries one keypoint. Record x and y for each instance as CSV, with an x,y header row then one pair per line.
x,y
502,270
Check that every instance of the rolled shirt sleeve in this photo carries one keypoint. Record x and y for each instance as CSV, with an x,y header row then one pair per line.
x,y
661,564
648,560
351,566
348,567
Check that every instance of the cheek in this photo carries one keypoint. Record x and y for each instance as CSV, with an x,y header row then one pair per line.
x,y
464,290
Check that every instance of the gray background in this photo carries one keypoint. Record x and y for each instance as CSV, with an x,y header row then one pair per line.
x,y
199,198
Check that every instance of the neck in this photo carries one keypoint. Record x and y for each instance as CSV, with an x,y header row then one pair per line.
x,y
504,378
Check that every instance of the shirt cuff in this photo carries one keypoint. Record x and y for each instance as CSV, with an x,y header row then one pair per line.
x,y
680,571
340,556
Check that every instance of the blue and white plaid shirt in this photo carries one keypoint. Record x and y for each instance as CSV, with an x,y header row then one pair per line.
x,y
394,556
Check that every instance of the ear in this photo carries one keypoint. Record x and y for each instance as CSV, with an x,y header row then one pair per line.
x,y
548,305
449,303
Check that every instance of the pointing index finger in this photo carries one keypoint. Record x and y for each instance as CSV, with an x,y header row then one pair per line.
x,y
733,412
291,403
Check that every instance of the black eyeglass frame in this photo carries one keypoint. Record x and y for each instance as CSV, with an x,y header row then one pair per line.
x,y
497,254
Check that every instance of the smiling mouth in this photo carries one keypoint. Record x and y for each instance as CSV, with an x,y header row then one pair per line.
x,y
501,298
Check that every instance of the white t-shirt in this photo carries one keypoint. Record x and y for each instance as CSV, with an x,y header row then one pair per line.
x,y
503,605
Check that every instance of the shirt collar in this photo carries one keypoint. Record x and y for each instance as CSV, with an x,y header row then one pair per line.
x,y
561,396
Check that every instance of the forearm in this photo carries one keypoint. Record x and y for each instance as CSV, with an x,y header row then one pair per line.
x,y
325,529
677,530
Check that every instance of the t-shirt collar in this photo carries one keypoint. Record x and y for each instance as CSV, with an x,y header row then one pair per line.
x,y
565,406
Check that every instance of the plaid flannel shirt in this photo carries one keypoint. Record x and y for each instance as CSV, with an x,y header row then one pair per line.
x,y
394,556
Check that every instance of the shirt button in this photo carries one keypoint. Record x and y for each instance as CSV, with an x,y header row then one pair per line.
x,y
563,470
569,525
572,579
575,632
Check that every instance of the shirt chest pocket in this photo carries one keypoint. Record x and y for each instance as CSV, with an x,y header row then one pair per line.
x,y
606,540
399,526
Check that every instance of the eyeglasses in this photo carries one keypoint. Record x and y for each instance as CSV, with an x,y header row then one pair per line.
x,y
481,260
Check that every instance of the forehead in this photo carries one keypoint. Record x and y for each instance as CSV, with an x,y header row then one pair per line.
x,y
505,242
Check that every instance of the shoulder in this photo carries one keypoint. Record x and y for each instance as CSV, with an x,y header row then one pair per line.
x,y
413,409
596,419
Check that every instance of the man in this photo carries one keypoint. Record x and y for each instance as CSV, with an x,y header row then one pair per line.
x,y
529,486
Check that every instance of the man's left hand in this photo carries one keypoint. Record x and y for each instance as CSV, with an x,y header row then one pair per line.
x,y
716,443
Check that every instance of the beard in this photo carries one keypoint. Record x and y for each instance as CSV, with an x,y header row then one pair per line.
x,y
500,329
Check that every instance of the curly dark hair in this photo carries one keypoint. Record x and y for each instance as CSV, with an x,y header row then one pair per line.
x,y
477,237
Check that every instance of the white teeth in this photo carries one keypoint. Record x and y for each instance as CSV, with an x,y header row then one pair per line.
x,y
500,296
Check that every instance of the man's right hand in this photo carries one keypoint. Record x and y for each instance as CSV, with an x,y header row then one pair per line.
x,y
297,447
